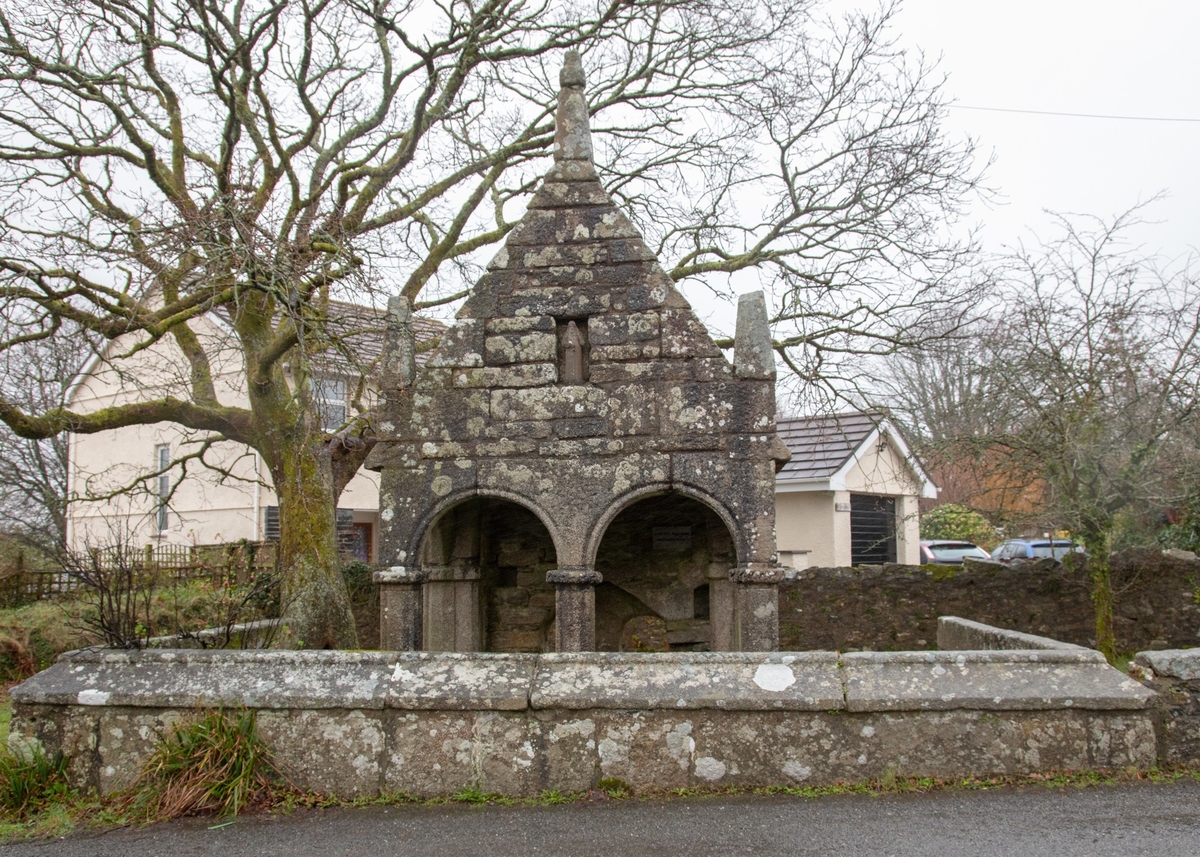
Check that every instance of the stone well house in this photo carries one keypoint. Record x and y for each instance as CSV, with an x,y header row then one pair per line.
x,y
230,498
849,494
577,466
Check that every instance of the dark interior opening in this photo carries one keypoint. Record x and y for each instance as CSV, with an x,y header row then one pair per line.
x,y
658,554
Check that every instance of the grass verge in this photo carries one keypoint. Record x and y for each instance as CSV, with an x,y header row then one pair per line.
x,y
149,801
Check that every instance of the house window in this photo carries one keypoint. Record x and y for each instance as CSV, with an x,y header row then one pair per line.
x,y
162,455
329,398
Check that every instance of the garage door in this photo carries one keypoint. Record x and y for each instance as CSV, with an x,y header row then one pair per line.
x,y
872,529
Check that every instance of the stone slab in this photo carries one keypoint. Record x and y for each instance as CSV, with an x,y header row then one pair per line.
x,y
796,681
1183,664
958,634
456,681
988,681
181,678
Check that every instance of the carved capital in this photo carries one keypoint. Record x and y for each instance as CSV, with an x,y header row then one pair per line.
x,y
577,576
757,574
399,575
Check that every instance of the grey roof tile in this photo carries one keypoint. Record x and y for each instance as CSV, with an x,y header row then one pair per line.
x,y
821,445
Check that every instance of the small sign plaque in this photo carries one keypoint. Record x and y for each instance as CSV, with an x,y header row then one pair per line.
x,y
672,538
841,507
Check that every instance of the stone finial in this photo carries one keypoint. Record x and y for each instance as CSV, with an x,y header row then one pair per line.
x,y
399,360
572,133
572,71
753,354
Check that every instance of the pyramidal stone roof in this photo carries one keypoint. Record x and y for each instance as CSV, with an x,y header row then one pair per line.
x,y
575,255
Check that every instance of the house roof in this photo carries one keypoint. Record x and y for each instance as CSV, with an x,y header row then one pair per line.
x,y
357,329
824,448
821,445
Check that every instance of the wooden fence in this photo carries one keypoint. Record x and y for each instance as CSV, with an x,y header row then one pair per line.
x,y
222,564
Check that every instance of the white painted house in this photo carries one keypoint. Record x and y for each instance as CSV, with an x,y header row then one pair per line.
x,y
179,498
849,494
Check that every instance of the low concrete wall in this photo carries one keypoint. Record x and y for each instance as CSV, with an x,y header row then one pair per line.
x,y
433,723
1175,675
956,633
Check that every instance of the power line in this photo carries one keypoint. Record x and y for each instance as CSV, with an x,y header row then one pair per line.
x,y
1075,115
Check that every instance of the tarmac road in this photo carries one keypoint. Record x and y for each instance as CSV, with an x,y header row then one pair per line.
x,y
1144,818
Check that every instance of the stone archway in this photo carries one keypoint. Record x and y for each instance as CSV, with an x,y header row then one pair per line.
x,y
665,560
484,561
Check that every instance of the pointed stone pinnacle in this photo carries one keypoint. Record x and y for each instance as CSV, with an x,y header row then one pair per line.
x,y
572,133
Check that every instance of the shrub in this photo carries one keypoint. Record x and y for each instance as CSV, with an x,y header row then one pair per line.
x,y
30,780
216,763
951,521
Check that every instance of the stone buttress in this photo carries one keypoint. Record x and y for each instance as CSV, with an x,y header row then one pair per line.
x,y
576,383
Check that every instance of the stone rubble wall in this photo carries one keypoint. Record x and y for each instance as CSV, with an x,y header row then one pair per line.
x,y
356,723
1175,675
895,607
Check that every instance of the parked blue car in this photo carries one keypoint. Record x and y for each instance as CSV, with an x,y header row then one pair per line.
x,y
1017,549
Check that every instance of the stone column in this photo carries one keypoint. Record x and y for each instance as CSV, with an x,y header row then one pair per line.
x,y
452,616
722,605
756,610
400,608
574,608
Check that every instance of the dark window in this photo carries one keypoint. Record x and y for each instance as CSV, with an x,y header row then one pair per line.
x,y
329,397
162,455
872,529
700,602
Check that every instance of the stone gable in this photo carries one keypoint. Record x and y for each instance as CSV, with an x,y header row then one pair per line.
x,y
577,382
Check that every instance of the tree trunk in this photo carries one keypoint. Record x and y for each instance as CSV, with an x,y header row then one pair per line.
x,y
314,599
1100,569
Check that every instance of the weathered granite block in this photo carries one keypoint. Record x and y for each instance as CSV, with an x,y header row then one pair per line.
x,y
798,681
521,375
530,405
306,742
1015,680
532,347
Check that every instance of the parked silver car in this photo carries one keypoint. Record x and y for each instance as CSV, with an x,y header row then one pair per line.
x,y
949,552
1017,549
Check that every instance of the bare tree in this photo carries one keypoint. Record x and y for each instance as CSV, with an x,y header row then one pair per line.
x,y
166,160
1084,391
33,472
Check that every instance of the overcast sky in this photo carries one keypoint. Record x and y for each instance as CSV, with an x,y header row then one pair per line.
x,y
1075,56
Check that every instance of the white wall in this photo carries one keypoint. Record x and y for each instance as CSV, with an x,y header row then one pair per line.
x,y
809,520
220,502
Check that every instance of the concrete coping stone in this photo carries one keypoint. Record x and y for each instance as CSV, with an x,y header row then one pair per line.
x,y
961,634
745,681
988,680
763,681
1182,664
